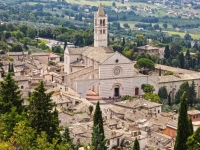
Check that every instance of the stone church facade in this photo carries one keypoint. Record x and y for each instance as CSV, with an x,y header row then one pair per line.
x,y
99,68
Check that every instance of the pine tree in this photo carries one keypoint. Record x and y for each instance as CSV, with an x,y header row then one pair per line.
x,y
183,125
41,114
136,145
98,141
167,52
10,96
191,130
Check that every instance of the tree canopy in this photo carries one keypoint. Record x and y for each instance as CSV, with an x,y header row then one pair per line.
x,y
144,63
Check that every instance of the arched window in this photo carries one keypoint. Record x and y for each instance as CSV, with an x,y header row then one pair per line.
x,y
103,22
100,22
22,87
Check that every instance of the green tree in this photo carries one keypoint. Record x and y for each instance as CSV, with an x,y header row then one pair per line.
x,y
123,41
183,125
169,99
191,130
97,118
24,135
183,88
41,114
90,109
181,60
194,140
136,145
147,88
152,97
66,139
9,120
144,63
98,141
162,92
165,25
159,71
192,93
187,55
10,95
167,52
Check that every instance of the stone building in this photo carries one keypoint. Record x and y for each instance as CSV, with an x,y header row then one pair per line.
x,y
110,74
99,68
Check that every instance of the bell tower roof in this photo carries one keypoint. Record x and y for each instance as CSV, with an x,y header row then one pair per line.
x,y
101,11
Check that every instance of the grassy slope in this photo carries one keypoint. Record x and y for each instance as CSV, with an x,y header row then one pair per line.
x,y
182,34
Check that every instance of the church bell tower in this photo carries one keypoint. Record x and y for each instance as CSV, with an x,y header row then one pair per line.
x,y
100,28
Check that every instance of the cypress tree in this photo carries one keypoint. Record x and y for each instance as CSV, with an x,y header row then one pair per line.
x,y
167,52
181,60
97,119
123,42
10,95
187,55
169,99
191,130
159,71
41,114
136,145
98,141
9,68
192,93
183,125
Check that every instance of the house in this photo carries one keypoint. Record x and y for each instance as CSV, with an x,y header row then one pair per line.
x,y
54,58
148,107
148,49
194,115
171,129
17,55
43,58
114,138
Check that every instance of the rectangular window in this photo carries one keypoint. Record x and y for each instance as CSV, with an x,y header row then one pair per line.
x,y
104,31
100,31
170,132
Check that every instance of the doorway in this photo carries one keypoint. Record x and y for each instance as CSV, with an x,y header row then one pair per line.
x,y
116,92
136,91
